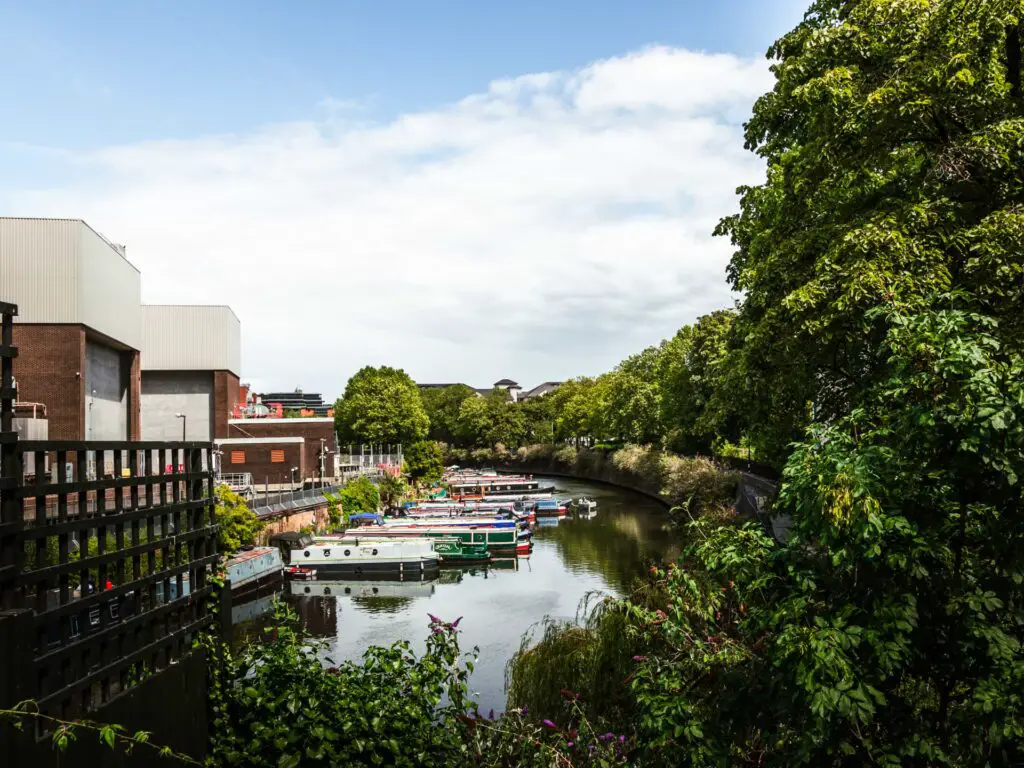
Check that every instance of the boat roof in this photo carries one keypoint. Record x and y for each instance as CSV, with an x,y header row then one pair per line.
x,y
249,554
366,516
291,537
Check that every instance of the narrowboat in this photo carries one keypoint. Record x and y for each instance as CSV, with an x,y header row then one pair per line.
x,y
335,556
550,508
253,569
450,551
335,588
497,540
496,485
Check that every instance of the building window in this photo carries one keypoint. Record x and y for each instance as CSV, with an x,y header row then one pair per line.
x,y
277,457
238,457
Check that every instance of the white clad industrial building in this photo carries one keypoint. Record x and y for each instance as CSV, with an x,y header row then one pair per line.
x,y
191,360
105,366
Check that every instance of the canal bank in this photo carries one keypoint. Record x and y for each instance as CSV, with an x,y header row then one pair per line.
x,y
667,478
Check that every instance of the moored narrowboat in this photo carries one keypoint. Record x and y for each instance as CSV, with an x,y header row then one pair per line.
x,y
359,559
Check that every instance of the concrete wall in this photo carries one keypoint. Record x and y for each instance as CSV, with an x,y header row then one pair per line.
x,y
106,393
165,393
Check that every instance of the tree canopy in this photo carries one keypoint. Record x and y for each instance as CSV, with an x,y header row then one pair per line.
x,y
382,406
442,405
424,461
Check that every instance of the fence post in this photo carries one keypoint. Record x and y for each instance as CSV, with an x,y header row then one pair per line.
x,y
16,650
224,613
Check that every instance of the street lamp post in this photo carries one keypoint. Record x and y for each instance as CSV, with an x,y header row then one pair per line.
x,y
184,419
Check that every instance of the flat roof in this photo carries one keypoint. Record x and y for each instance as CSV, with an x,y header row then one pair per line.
x,y
282,420
256,440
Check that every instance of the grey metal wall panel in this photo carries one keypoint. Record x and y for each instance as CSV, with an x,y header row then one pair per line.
x,y
39,268
110,292
166,393
106,394
190,338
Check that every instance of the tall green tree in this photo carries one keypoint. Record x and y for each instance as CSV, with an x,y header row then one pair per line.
x,y
490,420
424,461
442,406
633,404
694,365
380,405
893,144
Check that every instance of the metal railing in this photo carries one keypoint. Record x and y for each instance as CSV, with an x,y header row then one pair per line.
x,y
285,500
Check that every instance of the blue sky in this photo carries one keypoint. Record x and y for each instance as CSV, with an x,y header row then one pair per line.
x,y
468,190
84,74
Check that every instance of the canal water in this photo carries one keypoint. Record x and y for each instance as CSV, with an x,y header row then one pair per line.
x,y
499,603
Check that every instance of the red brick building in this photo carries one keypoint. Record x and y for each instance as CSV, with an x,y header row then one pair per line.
x,y
308,443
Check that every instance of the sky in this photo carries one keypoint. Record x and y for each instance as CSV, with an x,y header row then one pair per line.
x,y
466,190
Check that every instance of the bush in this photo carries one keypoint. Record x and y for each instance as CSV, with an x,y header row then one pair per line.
x,y
359,495
566,455
238,523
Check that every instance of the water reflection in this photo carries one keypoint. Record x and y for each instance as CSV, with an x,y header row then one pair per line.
x,y
500,601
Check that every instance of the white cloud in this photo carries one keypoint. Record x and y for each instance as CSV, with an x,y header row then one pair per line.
x,y
545,228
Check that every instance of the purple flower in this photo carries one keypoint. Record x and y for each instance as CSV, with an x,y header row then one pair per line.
x,y
590,748
622,739
525,710
434,619
456,622
639,658
569,745
550,724
606,737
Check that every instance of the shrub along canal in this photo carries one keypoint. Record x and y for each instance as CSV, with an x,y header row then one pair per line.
x,y
498,603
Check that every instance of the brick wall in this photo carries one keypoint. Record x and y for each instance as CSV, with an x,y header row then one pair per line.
x,y
258,461
225,395
50,369
314,516
312,431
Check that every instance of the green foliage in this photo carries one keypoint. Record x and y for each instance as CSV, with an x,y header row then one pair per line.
x,y
694,367
238,524
359,495
380,405
486,421
424,461
392,490
877,356
276,704
335,514
64,733
894,139
442,405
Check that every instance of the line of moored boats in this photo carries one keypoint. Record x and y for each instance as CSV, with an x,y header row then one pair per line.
x,y
474,517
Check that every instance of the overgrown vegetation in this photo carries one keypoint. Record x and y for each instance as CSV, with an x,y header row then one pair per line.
x,y
238,523
359,495
276,704
698,484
